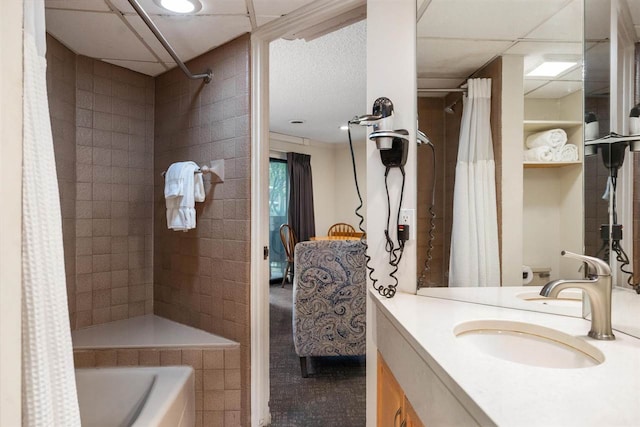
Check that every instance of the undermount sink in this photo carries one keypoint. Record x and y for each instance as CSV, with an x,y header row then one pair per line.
x,y
529,344
565,299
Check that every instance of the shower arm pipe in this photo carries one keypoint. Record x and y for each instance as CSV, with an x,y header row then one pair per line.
x,y
207,76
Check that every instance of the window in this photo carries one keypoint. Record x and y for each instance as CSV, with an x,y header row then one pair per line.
x,y
278,215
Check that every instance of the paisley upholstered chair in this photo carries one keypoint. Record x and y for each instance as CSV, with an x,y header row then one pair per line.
x,y
329,299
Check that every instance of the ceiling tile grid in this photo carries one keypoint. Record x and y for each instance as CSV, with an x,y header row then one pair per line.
x,y
77,30
124,38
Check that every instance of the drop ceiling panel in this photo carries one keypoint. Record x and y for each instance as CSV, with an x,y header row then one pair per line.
x,y
562,26
94,5
540,48
276,8
596,19
455,58
148,68
192,36
556,89
78,30
487,19
531,85
575,74
209,7
143,31
634,9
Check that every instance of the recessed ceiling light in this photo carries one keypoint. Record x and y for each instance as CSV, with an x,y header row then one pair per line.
x,y
180,6
296,122
550,69
344,127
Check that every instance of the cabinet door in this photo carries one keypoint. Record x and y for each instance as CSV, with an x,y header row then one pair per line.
x,y
390,397
411,418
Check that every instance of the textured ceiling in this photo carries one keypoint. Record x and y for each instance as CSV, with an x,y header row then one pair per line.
x,y
322,82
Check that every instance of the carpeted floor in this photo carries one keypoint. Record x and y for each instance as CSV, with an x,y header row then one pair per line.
x,y
334,393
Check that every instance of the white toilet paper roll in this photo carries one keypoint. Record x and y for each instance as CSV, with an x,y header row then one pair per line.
x,y
527,274
634,125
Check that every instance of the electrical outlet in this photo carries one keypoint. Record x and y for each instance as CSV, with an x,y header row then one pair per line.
x,y
408,217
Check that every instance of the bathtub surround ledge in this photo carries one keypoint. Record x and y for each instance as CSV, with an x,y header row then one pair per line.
x,y
215,360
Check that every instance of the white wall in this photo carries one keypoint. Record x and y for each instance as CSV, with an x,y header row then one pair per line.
x,y
395,78
346,197
512,175
334,193
11,212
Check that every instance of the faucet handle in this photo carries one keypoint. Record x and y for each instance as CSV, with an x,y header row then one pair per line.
x,y
600,267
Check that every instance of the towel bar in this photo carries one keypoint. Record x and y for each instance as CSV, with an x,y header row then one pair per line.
x,y
216,170
203,169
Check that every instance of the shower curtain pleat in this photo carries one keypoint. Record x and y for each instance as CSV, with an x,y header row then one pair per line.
x,y
474,258
49,396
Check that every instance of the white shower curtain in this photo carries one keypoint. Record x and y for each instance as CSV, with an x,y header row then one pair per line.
x,y
474,259
49,395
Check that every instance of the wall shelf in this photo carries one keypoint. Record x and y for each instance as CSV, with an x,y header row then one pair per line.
x,y
542,125
533,165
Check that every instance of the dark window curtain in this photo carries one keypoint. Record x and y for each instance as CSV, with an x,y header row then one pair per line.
x,y
301,216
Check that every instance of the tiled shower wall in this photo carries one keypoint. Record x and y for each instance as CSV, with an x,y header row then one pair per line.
x,y
114,150
61,79
103,138
201,277
431,120
596,209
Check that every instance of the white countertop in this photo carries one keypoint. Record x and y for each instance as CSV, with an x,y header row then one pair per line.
x,y
513,394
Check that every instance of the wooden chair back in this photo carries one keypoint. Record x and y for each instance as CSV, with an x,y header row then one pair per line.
x,y
341,229
289,240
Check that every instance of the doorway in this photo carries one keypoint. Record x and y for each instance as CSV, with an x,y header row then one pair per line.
x,y
319,16
314,90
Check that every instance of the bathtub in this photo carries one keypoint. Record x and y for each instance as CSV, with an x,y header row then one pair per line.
x,y
152,341
138,397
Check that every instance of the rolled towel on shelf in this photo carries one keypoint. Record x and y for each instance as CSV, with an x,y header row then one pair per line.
x,y
538,154
566,153
554,138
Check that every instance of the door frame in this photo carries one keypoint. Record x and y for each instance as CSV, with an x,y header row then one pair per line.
x,y
328,13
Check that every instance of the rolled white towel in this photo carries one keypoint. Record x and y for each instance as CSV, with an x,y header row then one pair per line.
x,y
554,138
566,153
539,154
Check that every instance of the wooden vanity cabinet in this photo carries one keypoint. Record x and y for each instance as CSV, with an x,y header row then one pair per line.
x,y
393,408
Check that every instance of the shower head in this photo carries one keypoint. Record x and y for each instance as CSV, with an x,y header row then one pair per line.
x,y
423,138
449,108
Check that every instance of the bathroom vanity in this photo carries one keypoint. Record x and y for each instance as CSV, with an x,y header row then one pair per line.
x,y
450,380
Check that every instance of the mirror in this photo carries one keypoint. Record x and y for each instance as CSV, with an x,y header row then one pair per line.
x,y
539,202
609,95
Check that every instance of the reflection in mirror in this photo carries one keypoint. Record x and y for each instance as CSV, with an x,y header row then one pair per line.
x,y
610,231
597,105
540,201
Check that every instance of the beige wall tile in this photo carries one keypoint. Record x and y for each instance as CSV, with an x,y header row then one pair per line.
x,y
170,357
106,358
213,359
149,357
